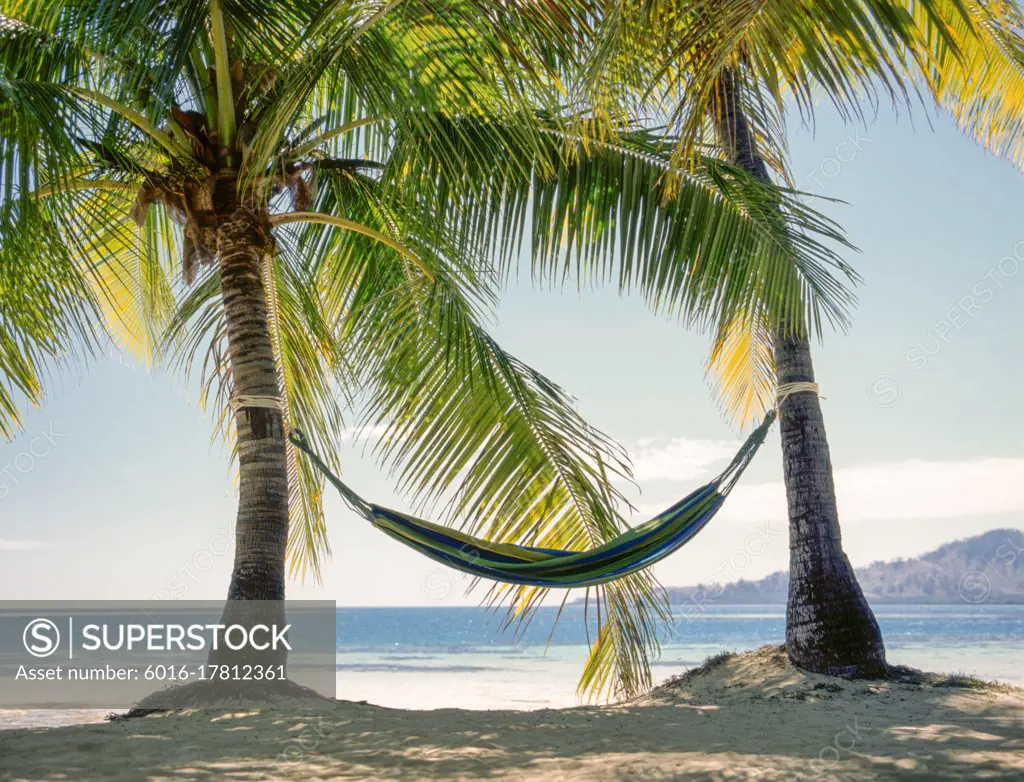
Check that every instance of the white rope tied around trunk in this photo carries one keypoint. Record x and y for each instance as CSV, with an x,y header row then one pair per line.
x,y
254,400
786,390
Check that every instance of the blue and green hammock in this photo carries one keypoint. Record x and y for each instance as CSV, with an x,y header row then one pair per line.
x,y
631,551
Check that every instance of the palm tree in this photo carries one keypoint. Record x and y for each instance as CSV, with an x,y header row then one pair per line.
x,y
310,204
724,71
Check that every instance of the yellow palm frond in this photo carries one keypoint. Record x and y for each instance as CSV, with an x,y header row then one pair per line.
x,y
741,369
972,59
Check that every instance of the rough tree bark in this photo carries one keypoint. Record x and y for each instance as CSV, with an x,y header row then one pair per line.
x,y
261,532
261,529
830,627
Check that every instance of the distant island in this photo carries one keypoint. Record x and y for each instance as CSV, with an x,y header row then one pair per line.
x,y
987,568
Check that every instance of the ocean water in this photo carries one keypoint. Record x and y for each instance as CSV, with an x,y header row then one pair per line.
x,y
429,658
424,658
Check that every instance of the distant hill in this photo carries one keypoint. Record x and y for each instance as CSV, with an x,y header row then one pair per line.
x,y
987,568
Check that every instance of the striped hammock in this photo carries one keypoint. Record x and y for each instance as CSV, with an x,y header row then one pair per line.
x,y
631,551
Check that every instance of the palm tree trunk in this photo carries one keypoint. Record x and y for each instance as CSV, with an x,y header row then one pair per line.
x,y
261,532
830,627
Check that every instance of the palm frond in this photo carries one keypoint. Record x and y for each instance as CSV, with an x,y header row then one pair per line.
x,y
348,61
741,368
790,49
314,379
971,55
46,311
705,246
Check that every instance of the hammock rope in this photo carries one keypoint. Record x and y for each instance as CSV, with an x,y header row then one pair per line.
x,y
636,548
252,400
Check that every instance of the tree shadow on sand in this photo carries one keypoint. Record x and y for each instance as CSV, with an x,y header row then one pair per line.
x,y
744,716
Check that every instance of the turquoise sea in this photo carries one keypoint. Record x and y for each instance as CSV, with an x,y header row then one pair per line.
x,y
445,657
448,657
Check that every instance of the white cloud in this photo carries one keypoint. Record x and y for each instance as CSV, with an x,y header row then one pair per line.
x,y
918,489
355,434
21,545
912,489
678,459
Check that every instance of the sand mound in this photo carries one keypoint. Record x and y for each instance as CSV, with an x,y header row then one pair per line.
x,y
739,717
226,697
767,675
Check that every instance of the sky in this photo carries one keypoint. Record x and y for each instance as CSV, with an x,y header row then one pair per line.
x,y
114,490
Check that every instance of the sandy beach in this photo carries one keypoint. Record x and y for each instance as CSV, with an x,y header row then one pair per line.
x,y
749,716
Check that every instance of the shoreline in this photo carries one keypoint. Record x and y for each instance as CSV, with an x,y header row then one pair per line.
x,y
739,716
519,683
525,679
